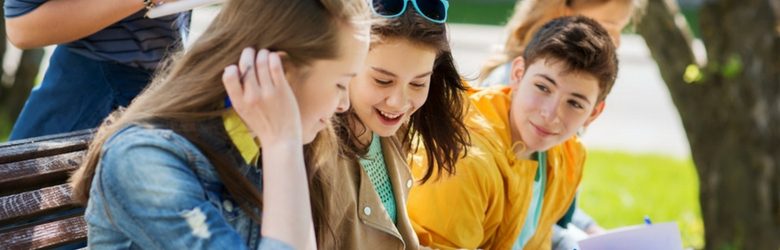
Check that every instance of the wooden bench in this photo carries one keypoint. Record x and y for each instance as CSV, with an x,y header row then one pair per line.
x,y
36,210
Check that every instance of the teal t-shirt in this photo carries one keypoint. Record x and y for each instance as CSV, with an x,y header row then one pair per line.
x,y
535,209
376,169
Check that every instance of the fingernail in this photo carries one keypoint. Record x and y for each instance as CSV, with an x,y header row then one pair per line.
x,y
230,69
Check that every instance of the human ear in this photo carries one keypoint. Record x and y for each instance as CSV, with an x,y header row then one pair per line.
x,y
517,71
595,113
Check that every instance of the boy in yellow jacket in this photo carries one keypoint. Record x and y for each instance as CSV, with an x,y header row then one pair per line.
x,y
521,172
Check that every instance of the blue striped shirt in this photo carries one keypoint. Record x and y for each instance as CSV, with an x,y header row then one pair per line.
x,y
135,41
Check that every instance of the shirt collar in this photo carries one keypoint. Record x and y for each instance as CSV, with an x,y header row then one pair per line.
x,y
241,136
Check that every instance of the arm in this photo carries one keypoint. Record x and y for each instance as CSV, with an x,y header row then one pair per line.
x,y
61,21
583,221
286,209
265,102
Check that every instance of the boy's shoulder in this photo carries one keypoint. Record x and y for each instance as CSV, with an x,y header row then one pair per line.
x,y
487,117
490,93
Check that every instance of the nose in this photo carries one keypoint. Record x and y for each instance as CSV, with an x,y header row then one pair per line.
x,y
398,99
343,104
550,110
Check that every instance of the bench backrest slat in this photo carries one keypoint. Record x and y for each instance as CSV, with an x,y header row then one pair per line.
x,y
25,205
25,175
51,234
45,146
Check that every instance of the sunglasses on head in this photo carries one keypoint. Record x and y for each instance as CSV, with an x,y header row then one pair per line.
x,y
433,10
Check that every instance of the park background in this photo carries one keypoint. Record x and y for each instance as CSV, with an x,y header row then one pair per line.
x,y
639,161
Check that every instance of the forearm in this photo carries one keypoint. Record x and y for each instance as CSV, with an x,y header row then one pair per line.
x,y
286,208
61,21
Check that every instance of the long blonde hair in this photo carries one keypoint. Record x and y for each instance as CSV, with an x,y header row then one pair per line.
x,y
189,87
528,17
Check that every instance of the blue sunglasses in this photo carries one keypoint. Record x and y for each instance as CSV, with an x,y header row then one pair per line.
x,y
433,10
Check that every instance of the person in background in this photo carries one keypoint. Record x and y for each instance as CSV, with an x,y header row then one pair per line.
x,y
530,15
106,53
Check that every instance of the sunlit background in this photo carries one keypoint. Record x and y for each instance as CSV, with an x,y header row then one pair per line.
x,y
639,160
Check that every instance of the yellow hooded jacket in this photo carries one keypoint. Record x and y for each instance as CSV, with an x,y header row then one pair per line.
x,y
484,204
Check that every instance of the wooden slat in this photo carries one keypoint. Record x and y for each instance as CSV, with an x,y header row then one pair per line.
x,y
36,173
34,203
45,146
46,235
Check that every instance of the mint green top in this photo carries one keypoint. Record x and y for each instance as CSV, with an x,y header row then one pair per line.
x,y
376,169
535,209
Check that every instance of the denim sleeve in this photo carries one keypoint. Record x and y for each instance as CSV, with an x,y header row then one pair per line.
x,y
156,200
15,8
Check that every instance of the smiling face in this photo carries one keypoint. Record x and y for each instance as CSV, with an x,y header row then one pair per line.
x,y
393,84
550,104
322,88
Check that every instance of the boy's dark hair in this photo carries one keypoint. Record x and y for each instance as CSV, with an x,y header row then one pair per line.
x,y
439,123
579,42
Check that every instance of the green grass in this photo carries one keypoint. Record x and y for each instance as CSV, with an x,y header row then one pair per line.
x,y
619,189
479,13
5,129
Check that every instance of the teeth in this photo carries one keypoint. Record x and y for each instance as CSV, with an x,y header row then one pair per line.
x,y
388,115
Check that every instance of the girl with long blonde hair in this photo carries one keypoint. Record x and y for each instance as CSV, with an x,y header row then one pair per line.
x,y
173,170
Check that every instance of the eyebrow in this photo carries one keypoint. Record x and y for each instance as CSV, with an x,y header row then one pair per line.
x,y
578,95
384,71
353,74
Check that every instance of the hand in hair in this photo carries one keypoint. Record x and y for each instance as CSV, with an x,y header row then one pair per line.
x,y
262,97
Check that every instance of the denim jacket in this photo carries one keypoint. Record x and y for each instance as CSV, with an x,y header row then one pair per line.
x,y
153,189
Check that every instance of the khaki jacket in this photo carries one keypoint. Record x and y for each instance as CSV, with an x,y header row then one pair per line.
x,y
357,217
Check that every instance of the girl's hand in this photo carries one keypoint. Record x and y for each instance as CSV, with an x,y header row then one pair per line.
x,y
262,97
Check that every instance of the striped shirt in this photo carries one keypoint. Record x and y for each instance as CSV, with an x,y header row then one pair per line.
x,y
135,41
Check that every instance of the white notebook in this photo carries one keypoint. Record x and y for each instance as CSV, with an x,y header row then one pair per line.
x,y
177,6
661,236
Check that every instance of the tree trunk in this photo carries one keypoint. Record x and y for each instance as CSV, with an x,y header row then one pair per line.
x,y
14,94
730,112
24,81
3,85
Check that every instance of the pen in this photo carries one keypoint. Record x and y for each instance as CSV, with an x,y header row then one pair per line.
x,y
647,220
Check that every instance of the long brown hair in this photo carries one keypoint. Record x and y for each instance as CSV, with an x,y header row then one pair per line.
x,y
438,123
528,17
189,87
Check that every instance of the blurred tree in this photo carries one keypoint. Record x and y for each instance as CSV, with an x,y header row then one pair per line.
x,y
15,89
729,103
